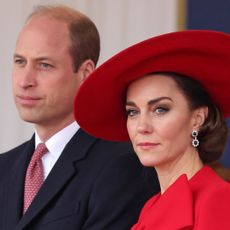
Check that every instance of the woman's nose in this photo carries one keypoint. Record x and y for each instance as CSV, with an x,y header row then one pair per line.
x,y
144,126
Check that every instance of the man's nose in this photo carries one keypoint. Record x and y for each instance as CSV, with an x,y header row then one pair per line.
x,y
26,77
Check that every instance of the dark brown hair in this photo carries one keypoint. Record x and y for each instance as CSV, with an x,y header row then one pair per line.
x,y
84,36
213,133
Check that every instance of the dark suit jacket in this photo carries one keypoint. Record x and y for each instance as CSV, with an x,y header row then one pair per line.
x,y
94,185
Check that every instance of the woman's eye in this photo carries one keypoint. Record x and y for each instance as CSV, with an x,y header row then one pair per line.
x,y
161,110
131,112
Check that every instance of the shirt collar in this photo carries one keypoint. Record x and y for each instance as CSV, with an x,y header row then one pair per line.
x,y
58,141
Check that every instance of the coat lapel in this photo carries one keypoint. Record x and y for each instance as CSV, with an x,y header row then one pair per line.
x,y
176,205
172,210
61,173
14,197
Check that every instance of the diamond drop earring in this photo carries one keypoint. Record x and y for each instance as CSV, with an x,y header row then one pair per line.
x,y
195,141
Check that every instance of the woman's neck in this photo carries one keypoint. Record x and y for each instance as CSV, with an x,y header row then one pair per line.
x,y
188,164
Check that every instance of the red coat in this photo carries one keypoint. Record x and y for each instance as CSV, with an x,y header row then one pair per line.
x,y
201,203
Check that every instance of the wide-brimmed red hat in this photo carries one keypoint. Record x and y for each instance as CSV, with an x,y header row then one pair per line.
x,y
201,54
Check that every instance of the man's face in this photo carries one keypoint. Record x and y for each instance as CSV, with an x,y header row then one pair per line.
x,y
44,82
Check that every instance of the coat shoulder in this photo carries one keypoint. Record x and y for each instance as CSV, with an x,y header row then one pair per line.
x,y
8,158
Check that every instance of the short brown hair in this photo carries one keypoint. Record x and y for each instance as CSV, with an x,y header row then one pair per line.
x,y
84,36
213,133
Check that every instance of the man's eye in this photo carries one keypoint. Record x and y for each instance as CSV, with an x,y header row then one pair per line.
x,y
45,65
19,61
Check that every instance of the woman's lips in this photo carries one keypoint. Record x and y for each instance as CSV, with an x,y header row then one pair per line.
x,y
146,145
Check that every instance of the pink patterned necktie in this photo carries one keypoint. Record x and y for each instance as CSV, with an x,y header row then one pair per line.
x,y
34,175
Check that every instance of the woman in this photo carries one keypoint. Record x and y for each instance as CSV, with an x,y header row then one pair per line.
x,y
169,95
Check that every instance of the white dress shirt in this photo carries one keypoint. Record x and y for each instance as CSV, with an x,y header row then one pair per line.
x,y
55,145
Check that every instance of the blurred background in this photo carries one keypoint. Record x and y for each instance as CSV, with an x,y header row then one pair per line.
x,y
121,23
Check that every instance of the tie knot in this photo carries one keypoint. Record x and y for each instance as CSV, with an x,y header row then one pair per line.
x,y
39,151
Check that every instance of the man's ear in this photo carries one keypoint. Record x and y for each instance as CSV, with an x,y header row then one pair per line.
x,y
85,69
199,117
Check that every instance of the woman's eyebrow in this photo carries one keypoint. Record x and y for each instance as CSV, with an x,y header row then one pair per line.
x,y
151,102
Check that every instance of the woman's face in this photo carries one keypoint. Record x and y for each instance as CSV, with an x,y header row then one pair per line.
x,y
159,120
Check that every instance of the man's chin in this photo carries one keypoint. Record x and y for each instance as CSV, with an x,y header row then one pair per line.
x,y
29,117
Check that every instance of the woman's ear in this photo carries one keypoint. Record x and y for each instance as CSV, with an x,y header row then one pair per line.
x,y
85,69
199,116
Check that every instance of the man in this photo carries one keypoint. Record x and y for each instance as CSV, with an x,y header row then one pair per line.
x,y
87,183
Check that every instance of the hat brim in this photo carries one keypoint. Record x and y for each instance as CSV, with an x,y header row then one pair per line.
x,y
203,55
